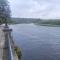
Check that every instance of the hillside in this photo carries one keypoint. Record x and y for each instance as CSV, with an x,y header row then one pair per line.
x,y
35,20
24,20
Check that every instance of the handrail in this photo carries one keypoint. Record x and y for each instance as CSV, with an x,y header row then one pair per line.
x,y
10,49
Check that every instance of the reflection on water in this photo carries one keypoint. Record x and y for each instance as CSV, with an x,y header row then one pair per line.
x,y
37,42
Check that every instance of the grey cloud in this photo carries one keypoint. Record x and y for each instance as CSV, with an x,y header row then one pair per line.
x,y
35,8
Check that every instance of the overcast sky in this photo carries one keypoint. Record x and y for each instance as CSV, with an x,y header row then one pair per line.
x,y
35,8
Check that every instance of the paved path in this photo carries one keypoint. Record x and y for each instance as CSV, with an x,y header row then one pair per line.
x,y
4,50
2,41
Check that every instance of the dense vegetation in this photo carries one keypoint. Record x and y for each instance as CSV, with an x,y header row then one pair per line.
x,y
33,20
18,52
23,20
49,22
4,11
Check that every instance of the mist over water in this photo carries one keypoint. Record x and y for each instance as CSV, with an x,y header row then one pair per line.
x,y
37,42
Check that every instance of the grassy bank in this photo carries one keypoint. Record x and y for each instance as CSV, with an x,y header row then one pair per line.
x,y
49,23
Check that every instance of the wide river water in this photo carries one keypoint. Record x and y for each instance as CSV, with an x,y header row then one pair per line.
x,y
37,42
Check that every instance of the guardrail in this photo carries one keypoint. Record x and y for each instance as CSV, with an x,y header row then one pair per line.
x,y
10,49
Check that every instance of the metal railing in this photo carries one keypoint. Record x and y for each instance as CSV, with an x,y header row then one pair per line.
x,y
11,57
12,53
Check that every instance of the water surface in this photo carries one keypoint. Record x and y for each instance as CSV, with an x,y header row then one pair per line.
x,y
37,42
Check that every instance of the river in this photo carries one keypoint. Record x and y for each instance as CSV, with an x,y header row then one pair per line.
x,y
37,42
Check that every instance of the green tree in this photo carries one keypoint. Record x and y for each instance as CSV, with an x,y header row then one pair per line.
x,y
4,11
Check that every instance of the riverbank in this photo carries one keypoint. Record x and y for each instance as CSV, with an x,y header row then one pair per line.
x,y
49,25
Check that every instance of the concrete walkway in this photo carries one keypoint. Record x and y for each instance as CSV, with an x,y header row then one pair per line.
x,y
5,53
2,43
3,49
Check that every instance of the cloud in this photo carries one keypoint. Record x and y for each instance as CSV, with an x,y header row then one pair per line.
x,y
35,8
